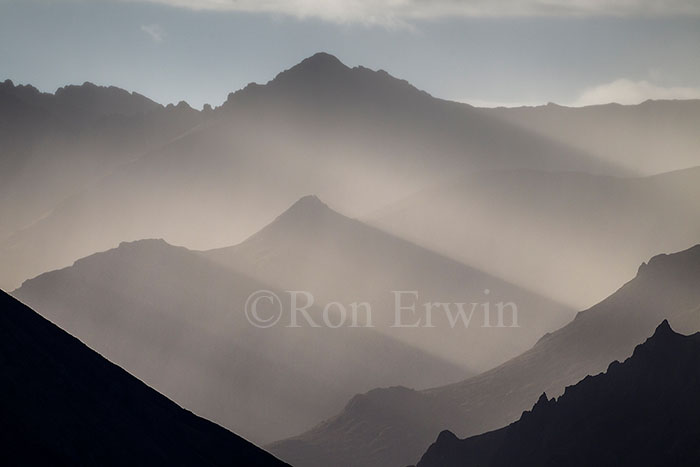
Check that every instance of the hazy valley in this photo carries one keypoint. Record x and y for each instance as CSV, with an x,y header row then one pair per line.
x,y
336,268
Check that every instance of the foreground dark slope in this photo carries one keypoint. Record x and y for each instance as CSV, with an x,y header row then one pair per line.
x,y
176,320
642,412
312,247
63,404
393,427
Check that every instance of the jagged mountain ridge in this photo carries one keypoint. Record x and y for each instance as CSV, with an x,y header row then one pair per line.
x,y
73,103
643,411
324,80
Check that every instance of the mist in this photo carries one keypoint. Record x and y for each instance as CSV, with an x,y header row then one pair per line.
x,y
338,266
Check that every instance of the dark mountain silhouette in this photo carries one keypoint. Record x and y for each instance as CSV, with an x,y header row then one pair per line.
x,y
582,233
72,103
665,288
100,101
63,404
643,411
323,83
177,321
311,247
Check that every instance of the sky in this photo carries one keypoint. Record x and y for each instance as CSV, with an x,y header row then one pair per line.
x,y
487,53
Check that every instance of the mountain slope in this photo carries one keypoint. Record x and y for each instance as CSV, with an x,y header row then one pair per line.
x,y
54,146
643,411
665,288
313,248
177,321
633,135
63,404
581,233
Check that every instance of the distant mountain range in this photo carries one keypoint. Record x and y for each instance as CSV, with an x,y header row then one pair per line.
x,y
649,138
74,162
394,426
63,404
643,411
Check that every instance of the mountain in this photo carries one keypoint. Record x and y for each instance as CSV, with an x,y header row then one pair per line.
x,y
633,135
63,404
322,80
665,288
313,248
54,146
178,321
643,411
73,102
359,138
581,233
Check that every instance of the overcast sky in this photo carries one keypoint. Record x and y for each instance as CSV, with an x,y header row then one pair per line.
x,y
485,52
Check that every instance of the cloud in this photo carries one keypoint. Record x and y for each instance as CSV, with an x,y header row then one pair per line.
x,y
155,31
625,91
398,12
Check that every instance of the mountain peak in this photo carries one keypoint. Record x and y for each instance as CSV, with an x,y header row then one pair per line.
x,y
321,60
307,206
306,215
446,436
144,243
96,101
684,264
317,68
663,342
310,200
147,247
323,80
663,331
